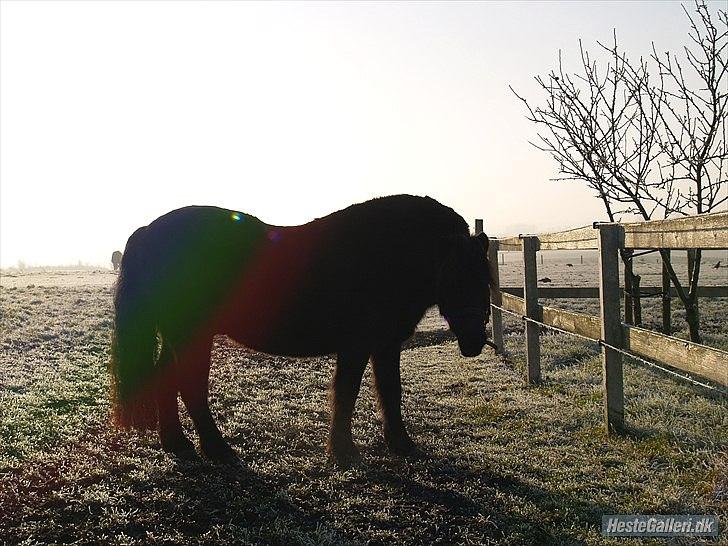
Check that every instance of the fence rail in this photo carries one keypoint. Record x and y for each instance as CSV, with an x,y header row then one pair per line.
x,y
616,337
569,292
703,231
696,359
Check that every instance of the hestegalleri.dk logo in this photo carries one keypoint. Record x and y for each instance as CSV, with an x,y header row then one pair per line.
x,y
638,525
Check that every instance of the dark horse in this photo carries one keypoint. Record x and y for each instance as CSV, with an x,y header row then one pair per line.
x,y
354,283
116,259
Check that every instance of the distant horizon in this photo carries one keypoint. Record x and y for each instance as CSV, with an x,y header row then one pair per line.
x,y
510,257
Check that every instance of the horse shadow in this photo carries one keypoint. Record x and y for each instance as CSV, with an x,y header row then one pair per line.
x,y
428,500
144,496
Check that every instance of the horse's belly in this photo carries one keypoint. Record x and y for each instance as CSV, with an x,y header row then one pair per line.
x,y
288,338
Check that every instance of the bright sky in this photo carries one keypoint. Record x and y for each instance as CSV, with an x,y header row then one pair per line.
x,y
113,113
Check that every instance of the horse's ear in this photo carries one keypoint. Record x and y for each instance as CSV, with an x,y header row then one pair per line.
x,y
483,238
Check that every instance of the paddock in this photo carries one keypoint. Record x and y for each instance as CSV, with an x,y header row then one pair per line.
x,y
505,461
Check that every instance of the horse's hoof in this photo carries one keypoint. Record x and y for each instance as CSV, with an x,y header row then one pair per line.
x,y
186,455
181,449
402,446
344,458
221,454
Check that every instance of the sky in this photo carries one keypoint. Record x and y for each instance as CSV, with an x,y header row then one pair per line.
x,y
113,113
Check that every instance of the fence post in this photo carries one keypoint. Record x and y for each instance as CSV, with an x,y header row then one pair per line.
x,y
610,241
530,296
666,310
495,296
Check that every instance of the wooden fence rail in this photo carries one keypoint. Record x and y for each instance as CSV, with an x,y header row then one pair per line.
x,y
703,231
696,359
587,292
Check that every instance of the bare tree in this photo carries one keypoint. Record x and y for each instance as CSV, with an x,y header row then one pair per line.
x,y
649,145
694,116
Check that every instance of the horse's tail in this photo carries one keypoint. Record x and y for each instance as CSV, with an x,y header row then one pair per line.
x,y
134,341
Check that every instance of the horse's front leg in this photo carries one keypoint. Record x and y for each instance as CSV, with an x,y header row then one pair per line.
x,y
385,363
345,386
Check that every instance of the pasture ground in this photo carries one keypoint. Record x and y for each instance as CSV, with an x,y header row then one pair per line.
x,y
505,463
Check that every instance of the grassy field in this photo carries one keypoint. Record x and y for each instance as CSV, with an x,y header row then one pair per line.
x,y
504,463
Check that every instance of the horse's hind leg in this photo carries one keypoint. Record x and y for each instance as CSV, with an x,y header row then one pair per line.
x,y
385,364
171,435
344,391
194,387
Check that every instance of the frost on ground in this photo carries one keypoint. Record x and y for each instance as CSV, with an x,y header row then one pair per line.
x,y
504,462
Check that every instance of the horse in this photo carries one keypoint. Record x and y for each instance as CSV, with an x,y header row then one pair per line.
x,y
354,283
116,259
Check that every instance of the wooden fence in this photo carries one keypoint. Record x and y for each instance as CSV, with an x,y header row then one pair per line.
x,y
709,231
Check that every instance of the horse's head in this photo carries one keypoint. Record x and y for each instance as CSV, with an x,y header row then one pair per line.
x,y
464,291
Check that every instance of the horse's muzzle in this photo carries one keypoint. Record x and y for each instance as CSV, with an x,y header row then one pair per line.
x,y
471,349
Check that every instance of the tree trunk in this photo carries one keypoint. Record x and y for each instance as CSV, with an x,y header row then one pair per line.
x,y
688,298
636,300
692,311
666,304
632,302
628,308
692,316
